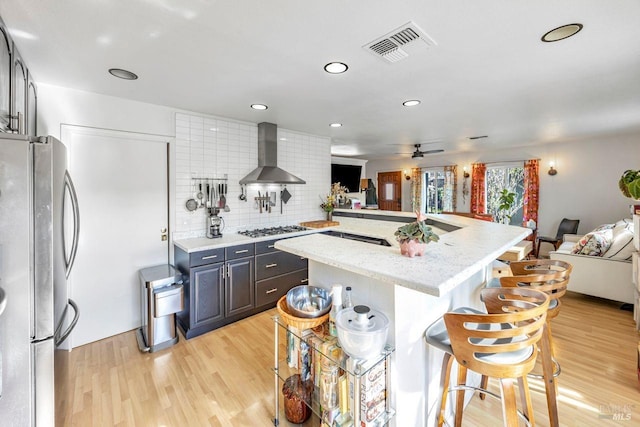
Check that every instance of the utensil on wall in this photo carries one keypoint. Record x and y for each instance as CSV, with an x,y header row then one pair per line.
x,y
285,195
191,205
200,195
224,193
242,196
207,196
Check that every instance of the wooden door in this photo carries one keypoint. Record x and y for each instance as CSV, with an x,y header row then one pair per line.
x,y
122,183
390,191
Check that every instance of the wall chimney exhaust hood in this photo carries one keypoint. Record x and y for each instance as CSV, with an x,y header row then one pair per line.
x,y
267,171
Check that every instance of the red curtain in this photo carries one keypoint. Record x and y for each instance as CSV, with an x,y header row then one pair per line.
x,y
531,190
478,199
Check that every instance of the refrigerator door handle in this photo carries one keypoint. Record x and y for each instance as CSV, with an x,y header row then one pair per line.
x,y
68,183
59,338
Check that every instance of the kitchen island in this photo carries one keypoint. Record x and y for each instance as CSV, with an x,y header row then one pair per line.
x,y
412,292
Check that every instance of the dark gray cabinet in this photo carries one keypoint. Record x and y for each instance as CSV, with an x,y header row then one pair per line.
x,y
224,285
219,287
276,273
239,289
208,294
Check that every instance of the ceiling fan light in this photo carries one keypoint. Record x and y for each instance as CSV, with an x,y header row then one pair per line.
x,y
259,106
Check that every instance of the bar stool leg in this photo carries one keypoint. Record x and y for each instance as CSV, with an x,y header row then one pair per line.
x,y
509,406
550,385
462,381
447,362
525,395
484,384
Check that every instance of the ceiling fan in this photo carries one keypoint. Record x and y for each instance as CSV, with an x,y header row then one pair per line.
x,y
417,153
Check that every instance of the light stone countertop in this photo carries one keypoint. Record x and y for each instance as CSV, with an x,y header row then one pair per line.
x,y
446,263
232,239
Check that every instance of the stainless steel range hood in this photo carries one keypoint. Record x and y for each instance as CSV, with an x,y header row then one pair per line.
x,y
267,171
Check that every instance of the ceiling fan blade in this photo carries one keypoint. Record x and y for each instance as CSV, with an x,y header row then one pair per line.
x,y
432,151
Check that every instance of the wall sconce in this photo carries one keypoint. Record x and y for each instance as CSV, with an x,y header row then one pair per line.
x,y
552,171
407,175
465,173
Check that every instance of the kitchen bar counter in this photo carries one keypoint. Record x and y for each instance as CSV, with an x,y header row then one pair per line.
x,y
446,263
412,292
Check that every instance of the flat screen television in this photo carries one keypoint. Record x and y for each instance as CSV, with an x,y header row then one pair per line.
x,y
347,175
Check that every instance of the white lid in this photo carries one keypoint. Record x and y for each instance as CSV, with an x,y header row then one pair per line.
x,y
362,319
336,294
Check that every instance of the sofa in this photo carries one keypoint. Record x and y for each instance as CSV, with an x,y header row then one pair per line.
x,y
601,261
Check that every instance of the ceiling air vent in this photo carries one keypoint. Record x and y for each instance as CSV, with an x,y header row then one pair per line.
x,y
397,44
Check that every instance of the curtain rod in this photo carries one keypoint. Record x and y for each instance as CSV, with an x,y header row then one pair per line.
x,y
507,161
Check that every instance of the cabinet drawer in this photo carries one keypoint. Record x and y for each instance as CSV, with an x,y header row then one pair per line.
x,y
271,290
277,263
206,257
265,247
240,251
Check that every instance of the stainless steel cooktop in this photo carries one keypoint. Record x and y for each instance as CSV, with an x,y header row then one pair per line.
x,y
272,231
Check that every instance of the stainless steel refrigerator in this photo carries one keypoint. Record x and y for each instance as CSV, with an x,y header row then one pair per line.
x,y
39,226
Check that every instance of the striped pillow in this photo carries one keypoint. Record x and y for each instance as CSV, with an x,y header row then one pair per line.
x,y
622,245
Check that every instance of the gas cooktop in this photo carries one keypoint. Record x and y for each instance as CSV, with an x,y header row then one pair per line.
x,y
272,231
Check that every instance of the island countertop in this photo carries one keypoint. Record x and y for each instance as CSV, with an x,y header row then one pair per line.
x,y
445,264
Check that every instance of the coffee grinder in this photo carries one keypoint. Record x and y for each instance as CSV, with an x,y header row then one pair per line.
x,y
216,224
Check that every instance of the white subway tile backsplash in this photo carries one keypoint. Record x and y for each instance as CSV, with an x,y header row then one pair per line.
x,y
212,147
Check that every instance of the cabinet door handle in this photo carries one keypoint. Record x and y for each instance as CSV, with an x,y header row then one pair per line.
x,y
229,271
209,257
271,246
304,280
222,274
242,251
271,265
270,291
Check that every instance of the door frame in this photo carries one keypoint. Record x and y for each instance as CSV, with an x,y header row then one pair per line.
x,y
399,189
66,130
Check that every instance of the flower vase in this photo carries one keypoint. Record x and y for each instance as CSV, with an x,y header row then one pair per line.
x,y
330,216
412,248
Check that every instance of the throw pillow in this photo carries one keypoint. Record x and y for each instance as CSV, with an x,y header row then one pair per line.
x,y
595,243
622,245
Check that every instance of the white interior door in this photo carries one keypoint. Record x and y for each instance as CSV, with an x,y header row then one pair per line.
x,y
122,185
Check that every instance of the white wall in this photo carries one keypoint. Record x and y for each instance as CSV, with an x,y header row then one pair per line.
x,y
586,186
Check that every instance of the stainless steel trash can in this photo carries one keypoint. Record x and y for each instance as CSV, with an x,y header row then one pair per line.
x,y
161,297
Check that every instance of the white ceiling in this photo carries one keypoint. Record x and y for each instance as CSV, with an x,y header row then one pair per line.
x,y
488,75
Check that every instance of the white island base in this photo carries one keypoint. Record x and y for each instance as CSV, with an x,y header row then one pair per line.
x,y
415,366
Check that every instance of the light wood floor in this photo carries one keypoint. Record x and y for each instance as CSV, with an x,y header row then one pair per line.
x,y
224,378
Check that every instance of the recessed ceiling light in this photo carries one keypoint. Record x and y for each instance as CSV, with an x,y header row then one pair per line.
x,y
336,125
259,106
561,33
336,67
411,103
122,74
478,137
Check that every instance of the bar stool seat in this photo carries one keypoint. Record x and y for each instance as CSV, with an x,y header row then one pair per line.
x,y
500,343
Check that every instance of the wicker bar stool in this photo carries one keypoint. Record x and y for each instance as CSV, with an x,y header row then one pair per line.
x,y
500,344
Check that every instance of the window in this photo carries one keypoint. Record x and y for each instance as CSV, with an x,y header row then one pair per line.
x,y
510,177
433,191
